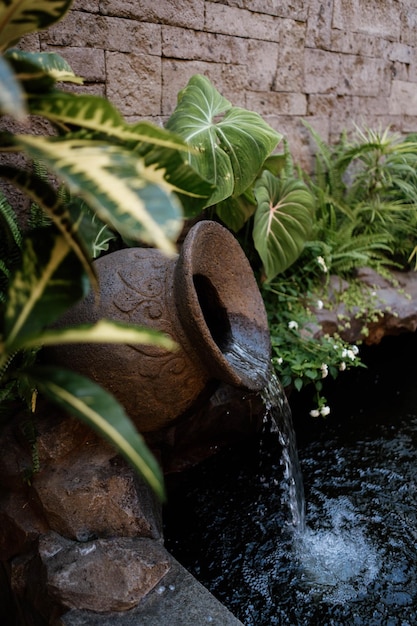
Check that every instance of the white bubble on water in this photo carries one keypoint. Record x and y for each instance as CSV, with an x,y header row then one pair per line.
x,y
338,561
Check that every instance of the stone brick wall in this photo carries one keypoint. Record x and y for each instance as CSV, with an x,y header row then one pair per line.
x,y
332,62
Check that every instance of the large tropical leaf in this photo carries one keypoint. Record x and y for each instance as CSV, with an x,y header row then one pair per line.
x,y
12,100
103,331
283,221
115,183
20,17
90,403
231,143
48,282
235,212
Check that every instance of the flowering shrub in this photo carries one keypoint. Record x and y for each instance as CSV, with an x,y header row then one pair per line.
x,y
300,355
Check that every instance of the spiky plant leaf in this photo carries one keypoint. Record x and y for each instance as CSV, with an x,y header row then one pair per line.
x,y
90,403
159,148
45,196
39,71
12,99
283,221
231,143
115,183
47,283
99,115
103,331
20,17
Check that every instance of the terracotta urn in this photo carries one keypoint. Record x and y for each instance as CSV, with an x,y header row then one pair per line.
x,y
206,298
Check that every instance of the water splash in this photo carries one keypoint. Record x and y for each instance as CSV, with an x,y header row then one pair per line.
x,y
355,560
338,562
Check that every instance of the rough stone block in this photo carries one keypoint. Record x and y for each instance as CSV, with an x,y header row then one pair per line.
x,y
294,9
372,17
30,42
409,25
134,83
290,66
362,76
86,62
349,42
403,98
321,71
92,493
241,22
186,13
80,29
262,60
182,43
400,71
92,6
319,24
269,102
104,574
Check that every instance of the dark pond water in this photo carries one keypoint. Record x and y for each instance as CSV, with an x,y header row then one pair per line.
x,y
355,562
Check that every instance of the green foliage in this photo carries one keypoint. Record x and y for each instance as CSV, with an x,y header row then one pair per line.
x,y
365,194
131,179
301,356
232,149
366,191
283,221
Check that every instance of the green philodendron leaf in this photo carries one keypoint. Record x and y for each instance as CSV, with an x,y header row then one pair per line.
x,y
20,17
12,99
231,143
49,280
193,190
234,212
103,331
90,403
135,200
283,221
39,71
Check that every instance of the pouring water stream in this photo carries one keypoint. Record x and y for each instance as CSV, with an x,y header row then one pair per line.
x,y
348,556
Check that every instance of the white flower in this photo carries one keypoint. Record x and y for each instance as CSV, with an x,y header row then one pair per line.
x,y
325,410
342,366
349,354
315,413
293,325
324,370
322,263
319,304
280,360
355,349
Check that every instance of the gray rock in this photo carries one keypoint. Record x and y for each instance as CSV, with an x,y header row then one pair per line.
x,y
104,574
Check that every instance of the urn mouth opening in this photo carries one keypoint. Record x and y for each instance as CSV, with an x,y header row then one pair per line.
x,y
220,307
214,313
